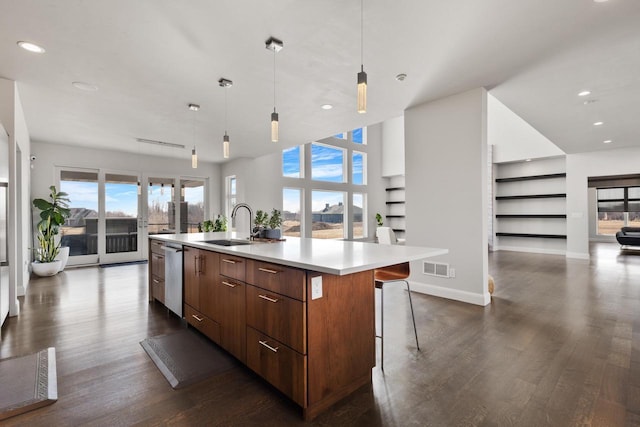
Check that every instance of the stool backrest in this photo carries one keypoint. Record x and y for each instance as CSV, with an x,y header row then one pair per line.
x,y
386,236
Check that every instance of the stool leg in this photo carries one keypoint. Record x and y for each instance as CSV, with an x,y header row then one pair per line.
x,y
415,331
382,327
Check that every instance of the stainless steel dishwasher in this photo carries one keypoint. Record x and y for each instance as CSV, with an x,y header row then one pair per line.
x,y
173,278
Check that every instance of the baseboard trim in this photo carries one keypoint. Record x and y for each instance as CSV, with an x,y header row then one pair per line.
x,y
453,294
578,255
531,250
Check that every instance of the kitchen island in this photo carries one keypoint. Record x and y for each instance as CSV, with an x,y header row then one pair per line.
x,y
300,313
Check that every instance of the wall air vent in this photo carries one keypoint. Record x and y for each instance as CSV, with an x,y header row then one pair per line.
x,y
439,269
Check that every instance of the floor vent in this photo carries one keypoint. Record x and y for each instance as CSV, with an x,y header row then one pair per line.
x,y
439,269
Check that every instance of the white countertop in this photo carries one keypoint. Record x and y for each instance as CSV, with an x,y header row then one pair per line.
x,y
338,257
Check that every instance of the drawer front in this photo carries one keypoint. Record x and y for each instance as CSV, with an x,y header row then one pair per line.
x,y
281,366
232,266
277,278
278,316
156,247
202,323
157,265
157,288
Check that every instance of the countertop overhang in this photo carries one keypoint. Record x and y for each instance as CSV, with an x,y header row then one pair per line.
x,y
339,257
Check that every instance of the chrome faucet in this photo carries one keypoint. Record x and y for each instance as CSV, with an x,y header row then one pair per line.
x,y
244,205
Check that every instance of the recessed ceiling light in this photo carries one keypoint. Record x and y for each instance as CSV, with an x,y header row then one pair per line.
x,y
590,101
194,107
527,160
326,106
89,87
400,77
598,123
608,141
600,1
31,47
584,93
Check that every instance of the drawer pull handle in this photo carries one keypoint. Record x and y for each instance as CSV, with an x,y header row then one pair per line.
x,y
268,298
198,318
231,285
266,270
229,261
156,281
264,343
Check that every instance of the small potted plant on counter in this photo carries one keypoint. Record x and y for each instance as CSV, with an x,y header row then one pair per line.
x,y
219,224
275,221
261,222
54,213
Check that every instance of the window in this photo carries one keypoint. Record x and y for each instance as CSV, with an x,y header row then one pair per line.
x,y
80,230
342,135
358,167
327,214
191,205
617,207
230,194
359,136
291,211
327,163
160,208
292,162
121,213
359,216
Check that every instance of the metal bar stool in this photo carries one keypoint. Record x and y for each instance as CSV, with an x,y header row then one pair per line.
x,y
382,276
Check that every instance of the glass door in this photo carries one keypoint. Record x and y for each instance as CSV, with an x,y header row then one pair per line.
x,y
121,240
192,213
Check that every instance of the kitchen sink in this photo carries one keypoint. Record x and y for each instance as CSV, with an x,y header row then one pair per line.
x,y
226,242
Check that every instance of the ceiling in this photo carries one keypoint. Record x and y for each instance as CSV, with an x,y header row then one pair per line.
x,y
151,58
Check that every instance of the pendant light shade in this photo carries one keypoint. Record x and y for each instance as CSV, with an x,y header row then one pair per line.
x,y
194,158
225,146
194,154
139,188
274,126
276,46
362,76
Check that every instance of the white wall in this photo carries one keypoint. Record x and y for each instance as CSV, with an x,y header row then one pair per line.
x,y
513,138
580,167
446,192
393,147
260,181
12,118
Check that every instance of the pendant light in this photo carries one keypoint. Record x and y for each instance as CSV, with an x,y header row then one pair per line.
x,y
362,76
194,154
225,83
276,46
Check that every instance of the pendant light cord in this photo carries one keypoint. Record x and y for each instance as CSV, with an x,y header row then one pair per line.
x,y
274,79
225,110
362,33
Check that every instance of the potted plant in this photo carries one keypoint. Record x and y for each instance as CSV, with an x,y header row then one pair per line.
x,y
219,224
261,221
275,221
379,219
54,213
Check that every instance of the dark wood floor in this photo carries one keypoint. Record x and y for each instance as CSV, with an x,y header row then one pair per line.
x,y
559,346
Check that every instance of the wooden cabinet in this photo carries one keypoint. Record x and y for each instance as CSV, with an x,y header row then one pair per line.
x,y
156,271
200,273
231,311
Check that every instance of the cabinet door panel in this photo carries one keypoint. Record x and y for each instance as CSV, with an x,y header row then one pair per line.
x,y
157,265
277,278
202,323
278,316
232,266
208,276
191,275
231,309
281,366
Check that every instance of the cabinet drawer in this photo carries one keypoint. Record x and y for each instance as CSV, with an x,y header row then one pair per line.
x,y
277,278
278,316
232,266
279,365
157,265
157,288
156,247
202,323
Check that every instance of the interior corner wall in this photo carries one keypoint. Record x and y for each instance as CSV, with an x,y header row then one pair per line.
x,y
622,161
393,147
447,194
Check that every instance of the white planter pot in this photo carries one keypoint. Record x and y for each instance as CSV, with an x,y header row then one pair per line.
x,y
44,269
63,257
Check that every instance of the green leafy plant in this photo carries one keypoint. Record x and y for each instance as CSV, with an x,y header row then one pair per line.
x,y
379,219
261,220
54,213
219,224
276,219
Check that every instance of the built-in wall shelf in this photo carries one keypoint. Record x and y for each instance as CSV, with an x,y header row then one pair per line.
x,y
532,177
532,196
394,216
395,205
535,235
528,204
531,216
395,188
399,230
398,202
